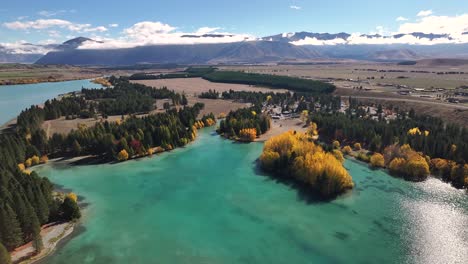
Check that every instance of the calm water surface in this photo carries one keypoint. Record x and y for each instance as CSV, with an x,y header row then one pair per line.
x,y
207,204
15,98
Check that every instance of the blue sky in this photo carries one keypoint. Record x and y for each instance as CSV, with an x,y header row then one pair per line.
x,y
99,18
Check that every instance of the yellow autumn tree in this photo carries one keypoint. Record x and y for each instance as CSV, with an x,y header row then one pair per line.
x,y
414,131
122,155
35,160
377,160
44,159
347,150
73,196
28,162
417,168
338,155
397,165
21,167
312,129
357,146
209,122
404,161
150,151
248,134
292,154
336,144
304,115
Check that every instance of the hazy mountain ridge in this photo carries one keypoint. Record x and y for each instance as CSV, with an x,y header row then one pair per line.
x,y
239,52
270,49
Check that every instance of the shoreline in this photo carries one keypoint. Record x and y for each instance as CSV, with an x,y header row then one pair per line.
x,y
48,81
52,234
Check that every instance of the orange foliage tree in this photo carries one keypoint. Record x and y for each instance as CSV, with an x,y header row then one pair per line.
x,y
377,160
347,150
405,161
336,144
122,155
357,146
248,134
73,196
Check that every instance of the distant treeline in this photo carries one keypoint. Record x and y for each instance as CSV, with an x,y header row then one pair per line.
x,y
191,72
272,81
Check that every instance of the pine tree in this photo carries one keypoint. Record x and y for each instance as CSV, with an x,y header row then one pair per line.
x,y
4,255
37,242
10,229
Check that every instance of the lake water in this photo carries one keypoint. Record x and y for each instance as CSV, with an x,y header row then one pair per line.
x,y
15,98
207,203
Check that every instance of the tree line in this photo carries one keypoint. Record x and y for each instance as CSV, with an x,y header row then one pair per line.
x,y
430,136
272,81
244,124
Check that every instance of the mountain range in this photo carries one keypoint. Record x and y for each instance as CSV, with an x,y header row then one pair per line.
x,y
269,49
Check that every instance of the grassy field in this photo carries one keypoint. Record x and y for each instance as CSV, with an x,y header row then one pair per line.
x,y
26,73
373,73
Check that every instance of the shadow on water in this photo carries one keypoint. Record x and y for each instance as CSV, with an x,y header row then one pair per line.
x,y
304,193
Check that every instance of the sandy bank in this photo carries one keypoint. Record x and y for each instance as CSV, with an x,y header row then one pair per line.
x,y
51,234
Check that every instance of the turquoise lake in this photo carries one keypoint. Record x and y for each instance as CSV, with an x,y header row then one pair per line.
x,y
207,203
15,98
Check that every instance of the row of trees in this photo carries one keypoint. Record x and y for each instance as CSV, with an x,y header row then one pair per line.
x,y
191,72
123,98
273,81
295,155
135,135
241,124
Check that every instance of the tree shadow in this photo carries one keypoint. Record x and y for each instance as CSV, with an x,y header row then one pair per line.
x,y
304,193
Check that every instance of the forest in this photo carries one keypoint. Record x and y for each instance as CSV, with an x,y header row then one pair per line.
x,y
26,200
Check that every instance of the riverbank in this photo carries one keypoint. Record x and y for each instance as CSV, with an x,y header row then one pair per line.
x,y
51,234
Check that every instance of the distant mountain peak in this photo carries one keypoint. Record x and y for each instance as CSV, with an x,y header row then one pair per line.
x,y
76,42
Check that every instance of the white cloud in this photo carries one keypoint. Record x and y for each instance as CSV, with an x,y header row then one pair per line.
x,y
157,33
206,30
113,25
454,25
46,13
295,7
450,27
22,47
359,39
424,13
54,34
52,23
400,18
